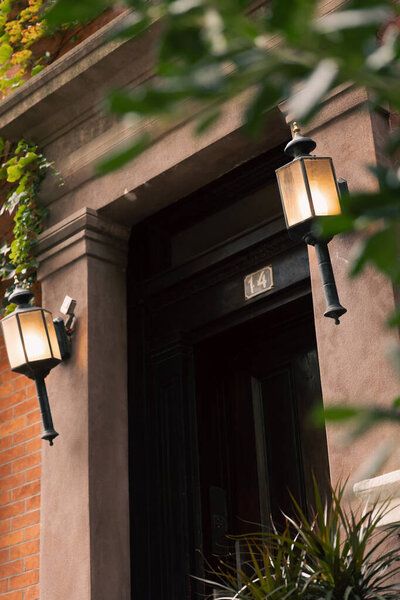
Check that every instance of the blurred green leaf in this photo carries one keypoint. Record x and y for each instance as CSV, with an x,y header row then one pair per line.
x,y
183,40
136,25
393,143
37,69
266,97
121,158
143,101
383,250
332,225
293,21
69,11
333,413
207,121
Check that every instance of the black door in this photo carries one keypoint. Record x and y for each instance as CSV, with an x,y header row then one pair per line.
x,y
256,385
220,385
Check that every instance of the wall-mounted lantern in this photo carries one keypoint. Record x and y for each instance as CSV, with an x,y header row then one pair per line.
x,y
35,344
309,189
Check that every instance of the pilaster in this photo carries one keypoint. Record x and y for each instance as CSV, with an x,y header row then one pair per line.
x,y
353,356
85,499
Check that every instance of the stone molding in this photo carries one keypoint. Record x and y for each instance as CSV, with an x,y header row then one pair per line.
x,y
62,71
383,493
341,100
84,233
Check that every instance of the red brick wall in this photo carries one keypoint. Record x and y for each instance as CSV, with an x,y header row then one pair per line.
x,y
20,427
20,470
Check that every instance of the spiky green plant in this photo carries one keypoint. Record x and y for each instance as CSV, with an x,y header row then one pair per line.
x,y
334,555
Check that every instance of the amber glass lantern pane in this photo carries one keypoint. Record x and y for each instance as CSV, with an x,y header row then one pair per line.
x,y
34,334
323,187
294,194
52,334
13,341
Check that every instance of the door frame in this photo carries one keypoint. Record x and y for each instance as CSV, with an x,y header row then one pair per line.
x,y
166,523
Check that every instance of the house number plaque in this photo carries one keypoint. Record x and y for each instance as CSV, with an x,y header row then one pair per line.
x,y
259,282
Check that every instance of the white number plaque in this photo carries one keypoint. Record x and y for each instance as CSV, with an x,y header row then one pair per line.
x,y
259,282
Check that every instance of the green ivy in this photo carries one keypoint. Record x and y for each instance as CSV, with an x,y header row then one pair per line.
x,y
21,26
21,172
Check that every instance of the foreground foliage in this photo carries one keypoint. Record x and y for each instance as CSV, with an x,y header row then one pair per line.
x,y
335,555
209,51
22,169
21,26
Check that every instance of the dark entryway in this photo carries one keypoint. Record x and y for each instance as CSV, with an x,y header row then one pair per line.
x,y
220,384
255,387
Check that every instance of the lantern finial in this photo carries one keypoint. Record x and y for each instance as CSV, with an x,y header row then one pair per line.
x,y
299,145
295,128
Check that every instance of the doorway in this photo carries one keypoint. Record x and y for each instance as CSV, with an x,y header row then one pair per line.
x,y
220,383
256,385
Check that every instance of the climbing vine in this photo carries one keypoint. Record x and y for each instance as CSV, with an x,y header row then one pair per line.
x,y
22,169
26,47
22,166
21,26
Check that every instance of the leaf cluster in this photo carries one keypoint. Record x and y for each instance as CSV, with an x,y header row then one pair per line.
x,y
334,555
211,50
22,169
21,26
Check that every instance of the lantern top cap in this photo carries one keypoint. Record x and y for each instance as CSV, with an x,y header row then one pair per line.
x,y
299,145
21,297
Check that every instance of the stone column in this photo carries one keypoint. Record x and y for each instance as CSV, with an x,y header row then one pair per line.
x,y
354,365
85,499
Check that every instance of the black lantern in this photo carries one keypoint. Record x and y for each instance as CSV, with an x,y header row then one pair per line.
x,y
33,341
309,189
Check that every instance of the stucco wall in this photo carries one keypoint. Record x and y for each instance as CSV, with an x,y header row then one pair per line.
x,y
83,254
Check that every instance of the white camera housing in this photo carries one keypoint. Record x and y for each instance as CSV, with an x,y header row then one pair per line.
x,y
68,306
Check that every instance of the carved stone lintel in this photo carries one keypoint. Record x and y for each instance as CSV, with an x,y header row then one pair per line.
x,y
83,233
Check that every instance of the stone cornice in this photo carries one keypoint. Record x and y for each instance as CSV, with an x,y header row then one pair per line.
x,y
46,104
83,233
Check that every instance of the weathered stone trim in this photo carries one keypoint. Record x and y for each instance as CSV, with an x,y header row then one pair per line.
x,y
84,233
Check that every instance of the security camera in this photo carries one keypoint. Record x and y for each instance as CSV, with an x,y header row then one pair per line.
x,y
68,308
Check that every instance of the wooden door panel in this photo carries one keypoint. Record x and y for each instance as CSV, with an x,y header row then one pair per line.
x,y
255,388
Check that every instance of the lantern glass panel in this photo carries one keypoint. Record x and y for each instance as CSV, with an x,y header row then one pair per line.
x,y
323,187
52,334
34,334
13,342
294,193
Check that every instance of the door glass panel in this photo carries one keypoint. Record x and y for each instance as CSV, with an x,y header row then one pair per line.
x,y
255,387
283,468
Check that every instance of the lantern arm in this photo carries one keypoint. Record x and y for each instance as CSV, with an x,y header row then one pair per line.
x,y
65,329
36,343
63,338
309,189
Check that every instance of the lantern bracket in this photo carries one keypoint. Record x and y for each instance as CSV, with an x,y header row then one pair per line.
x,y
63,339
68,308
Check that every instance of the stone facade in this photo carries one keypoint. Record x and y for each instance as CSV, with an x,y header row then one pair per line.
x,y
85,547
